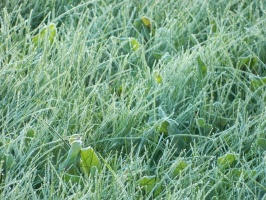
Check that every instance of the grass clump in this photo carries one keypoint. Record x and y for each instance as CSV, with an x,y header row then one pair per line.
x,y
132,100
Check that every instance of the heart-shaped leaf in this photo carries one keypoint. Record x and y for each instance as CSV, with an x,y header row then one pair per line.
x,y
227,160
178,167
255,83
89,161
147,182
163,127
158,77
200,122
30,134
146,21
134,44
47,33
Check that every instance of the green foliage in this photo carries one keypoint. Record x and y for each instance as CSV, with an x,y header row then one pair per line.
x,y
150,185
46,35
79,160
178,168
257,82
147,182
30,135
163,127
201,122
242,173
89,161
112,99
73,158
158,77
227,160
134,44
249,63
202,68
262,143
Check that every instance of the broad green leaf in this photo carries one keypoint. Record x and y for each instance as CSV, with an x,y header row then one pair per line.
x,y
8,160
48,32
249,61
134,44
29,136
158,77
89,161
201,122
163,127
262,143
146,21
158,190
178,167
147,182
227,160
35,39
52,32
72,161
30,133
202,67
144,27
213,26
237,173
255,83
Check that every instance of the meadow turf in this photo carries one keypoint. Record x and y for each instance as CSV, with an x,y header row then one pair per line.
x,y
169,95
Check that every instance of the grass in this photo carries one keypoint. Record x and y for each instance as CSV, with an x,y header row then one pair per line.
x,y
170,96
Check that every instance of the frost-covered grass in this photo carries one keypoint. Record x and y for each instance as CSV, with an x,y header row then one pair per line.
x,y
169,94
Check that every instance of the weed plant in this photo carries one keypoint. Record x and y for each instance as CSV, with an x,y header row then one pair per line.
x,y
168,96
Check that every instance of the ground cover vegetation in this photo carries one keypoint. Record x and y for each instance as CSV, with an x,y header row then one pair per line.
x,y
108,99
